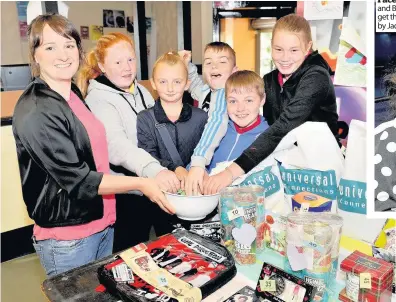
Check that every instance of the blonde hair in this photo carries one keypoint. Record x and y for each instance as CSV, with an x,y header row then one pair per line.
x,y
61,26
295,24
90,69
171,58
221,46
244,80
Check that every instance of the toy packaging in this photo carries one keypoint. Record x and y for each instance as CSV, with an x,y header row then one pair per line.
x,y
198,262
277,285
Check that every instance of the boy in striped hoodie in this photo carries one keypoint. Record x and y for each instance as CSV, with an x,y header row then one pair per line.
x,y
219,63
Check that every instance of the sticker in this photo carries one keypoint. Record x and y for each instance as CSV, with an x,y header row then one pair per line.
x,y
305,207
122,273
365,280
314,246
268,285
296,258
235,213
162,280
352,286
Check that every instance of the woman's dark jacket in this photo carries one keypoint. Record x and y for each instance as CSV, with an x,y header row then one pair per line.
x,y
308,95
58,173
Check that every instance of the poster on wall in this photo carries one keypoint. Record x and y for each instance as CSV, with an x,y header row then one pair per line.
x,y
351,105
22,18
129,26
108,18
119,18
148,25
113,18
323,10
351,62
95,32
84,31
327,32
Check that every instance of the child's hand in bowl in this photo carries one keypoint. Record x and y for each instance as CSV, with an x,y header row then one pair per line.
x,y
181,174
168,181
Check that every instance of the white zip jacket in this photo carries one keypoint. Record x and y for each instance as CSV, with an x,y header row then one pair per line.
x,y
117,110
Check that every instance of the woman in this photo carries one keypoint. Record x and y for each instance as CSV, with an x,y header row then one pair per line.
x,y
108,79
298,90
63,158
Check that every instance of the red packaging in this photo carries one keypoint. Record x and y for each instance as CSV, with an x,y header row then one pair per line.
x,y
381,275
343,296
385,297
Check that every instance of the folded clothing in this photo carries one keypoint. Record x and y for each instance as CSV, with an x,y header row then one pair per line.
x,y
193,259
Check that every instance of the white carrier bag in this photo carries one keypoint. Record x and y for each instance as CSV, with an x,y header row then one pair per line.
x,y
352,201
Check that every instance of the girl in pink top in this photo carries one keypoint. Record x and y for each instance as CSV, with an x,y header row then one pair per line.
x,y
63,158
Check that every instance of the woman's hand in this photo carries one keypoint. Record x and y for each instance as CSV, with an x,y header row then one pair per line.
x,y
181,174
168,181
216,183
150,188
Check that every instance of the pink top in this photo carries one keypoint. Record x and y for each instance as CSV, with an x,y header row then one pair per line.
x,y
97,137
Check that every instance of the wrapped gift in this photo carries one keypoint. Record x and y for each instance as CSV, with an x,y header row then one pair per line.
x,y
309,202
174,262
385,297
378,277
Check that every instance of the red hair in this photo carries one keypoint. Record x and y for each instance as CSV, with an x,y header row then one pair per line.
x,y
90,69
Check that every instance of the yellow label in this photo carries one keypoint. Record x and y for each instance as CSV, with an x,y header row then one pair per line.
x,y
268,285
235,213
365,280
144,266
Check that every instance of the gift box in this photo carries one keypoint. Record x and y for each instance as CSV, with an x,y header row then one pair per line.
x,y
381,275
309,202
385,297
190,258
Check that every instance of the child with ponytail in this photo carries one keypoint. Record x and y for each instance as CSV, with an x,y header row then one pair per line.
x,y
108,83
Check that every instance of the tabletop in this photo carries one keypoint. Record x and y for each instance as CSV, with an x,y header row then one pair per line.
x,y
80,284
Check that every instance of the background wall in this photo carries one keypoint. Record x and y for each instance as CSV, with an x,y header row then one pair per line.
x,y
13,209
238,33
14,50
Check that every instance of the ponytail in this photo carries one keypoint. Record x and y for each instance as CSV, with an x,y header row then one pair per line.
x,y
88,71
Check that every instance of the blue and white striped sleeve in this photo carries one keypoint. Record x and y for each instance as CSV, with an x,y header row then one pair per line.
x,y
215,130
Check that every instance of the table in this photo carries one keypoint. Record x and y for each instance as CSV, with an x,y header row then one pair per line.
x,y
80,283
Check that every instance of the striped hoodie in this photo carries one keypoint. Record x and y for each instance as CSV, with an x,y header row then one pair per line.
x,y
216,127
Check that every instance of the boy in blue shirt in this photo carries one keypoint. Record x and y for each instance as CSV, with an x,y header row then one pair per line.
x,y
244,91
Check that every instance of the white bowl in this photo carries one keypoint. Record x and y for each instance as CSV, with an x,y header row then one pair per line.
x,y
193,207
